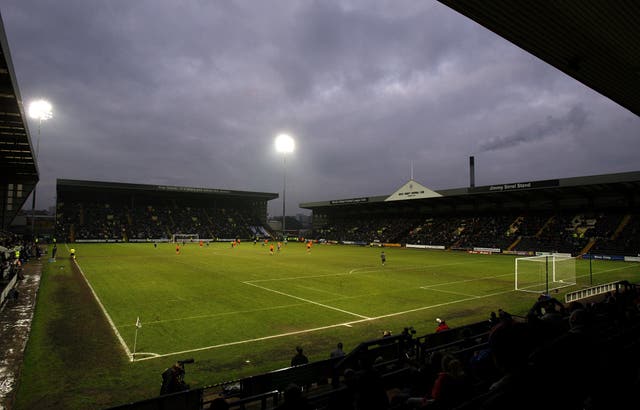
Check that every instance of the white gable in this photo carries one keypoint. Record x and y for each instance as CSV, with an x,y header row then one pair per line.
x,y
412,190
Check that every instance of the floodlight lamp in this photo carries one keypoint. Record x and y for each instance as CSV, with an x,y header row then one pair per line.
x,y
40,110
284,144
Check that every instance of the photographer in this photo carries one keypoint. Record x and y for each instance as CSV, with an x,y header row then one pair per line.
x,y
173,378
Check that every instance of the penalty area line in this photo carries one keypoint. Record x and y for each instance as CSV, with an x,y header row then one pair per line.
x,y
307,300
446,291
298,277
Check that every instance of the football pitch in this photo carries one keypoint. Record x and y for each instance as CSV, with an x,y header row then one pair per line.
x,y
214,296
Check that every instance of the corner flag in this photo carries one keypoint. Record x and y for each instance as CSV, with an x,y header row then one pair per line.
x,y
135,339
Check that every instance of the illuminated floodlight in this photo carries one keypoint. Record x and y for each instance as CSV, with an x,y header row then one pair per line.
x,y
40,110
285,144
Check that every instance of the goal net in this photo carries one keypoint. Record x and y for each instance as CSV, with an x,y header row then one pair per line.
x,y
543,273
185,237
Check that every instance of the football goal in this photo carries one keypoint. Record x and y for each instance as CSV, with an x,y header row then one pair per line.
x,y
185,237
543,273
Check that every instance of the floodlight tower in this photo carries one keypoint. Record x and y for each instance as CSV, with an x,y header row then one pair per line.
x,y
285,145
39,110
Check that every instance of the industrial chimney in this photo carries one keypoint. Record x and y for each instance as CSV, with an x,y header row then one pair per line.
x,y
472,172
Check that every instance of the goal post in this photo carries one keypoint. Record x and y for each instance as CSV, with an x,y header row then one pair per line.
x,y
543,273
186,237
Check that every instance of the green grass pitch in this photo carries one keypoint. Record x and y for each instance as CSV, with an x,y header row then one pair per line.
x,y
219,295
241,311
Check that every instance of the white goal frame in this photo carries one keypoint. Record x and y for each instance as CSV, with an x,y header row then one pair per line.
x,y
187,237
551,272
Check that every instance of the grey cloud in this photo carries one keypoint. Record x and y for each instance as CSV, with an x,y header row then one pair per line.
x,y
193,93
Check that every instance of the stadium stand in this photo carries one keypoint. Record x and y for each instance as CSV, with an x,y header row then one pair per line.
x,y
129,212
571,215
13,254
544,232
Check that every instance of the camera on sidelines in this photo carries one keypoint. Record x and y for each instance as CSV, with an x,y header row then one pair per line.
x,y
408,331
186,361
173,378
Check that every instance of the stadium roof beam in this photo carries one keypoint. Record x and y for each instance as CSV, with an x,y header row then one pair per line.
x,y
608,191
18,169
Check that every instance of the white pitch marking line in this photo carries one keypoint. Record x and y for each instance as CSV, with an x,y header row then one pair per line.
x,y
439,304
321,291
236,312
364,269
348,324
258,339
609,270
447,291
95,295
153,355
307,300
295,277
465,280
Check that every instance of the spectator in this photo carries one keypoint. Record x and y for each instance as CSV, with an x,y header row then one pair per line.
x,y
370,393
293,399
549,314
510,345
13,294
299,358
493,319
337,352
219,404
442,325
504,316
451,387
344,398
570,348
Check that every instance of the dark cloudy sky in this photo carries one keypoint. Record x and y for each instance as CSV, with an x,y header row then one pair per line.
x,y
193,93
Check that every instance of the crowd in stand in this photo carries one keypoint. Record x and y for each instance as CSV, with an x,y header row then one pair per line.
x,y
565,356
117,222
14,252
612,234
607,233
